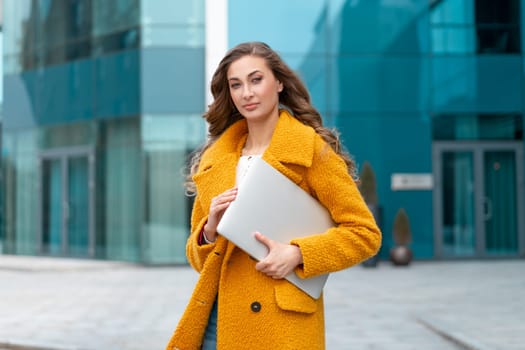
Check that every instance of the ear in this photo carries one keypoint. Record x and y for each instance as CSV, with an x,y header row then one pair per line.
x,y
280,87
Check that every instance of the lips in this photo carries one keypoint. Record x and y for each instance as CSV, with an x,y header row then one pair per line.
x,y
250,106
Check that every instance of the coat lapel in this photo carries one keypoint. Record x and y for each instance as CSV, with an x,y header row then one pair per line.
x,y
292,144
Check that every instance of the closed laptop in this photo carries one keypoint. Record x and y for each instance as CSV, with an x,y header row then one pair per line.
x,y
270,203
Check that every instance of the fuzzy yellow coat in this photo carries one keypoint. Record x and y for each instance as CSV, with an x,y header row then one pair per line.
x,y
256,311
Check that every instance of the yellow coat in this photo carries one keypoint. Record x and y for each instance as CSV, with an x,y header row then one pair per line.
x,y
287,317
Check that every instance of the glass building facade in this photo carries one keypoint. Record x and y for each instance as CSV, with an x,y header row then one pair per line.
x,y
429,92
103,103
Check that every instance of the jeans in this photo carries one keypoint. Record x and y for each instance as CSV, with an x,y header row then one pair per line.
x,y
210,335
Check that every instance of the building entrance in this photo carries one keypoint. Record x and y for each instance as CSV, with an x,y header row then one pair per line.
x,y
67,202
478,199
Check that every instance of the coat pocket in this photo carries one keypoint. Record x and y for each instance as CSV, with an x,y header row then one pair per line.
x,y
290,298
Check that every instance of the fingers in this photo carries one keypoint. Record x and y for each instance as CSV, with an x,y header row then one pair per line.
x,y
264,240
223,200
270,270
281,258
217,207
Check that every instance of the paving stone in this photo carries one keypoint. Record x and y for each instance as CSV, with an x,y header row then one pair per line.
x,y
96,305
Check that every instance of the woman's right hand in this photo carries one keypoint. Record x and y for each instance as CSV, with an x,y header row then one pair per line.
x,y
217,207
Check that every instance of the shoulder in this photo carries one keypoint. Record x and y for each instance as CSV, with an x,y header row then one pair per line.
x,y
229,142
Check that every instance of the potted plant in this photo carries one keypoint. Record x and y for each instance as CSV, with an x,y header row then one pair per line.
x,y
401,254
368,190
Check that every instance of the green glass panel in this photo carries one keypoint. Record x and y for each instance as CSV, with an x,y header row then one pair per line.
x,y
78,206
500,217
458,204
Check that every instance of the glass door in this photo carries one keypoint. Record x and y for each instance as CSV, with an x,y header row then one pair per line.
x,y
500,203
52,230
458,211
67,204
478,196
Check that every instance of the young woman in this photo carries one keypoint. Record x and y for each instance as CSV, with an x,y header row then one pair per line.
x,y
262,109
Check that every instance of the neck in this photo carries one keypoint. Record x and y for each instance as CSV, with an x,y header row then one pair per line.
x,y
259,136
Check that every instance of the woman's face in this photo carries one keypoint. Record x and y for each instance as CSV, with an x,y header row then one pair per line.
x,y
254,89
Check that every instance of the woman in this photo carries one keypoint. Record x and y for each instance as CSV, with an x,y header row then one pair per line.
x,y
239,303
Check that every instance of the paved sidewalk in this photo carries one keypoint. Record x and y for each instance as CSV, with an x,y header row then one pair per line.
x,y
48,303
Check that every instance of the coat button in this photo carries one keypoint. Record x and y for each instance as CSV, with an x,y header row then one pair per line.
x,y
256,306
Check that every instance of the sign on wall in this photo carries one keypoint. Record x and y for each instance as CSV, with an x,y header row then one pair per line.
x,y
411,181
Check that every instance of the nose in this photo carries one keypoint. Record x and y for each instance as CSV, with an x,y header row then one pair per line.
x,y
247,92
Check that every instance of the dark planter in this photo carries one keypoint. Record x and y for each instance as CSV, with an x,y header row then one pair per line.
x,y
376,212
400,255
371,262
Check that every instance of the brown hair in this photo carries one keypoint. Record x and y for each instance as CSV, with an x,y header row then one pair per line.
x,y
294,96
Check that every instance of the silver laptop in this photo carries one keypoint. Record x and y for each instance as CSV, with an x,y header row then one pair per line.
x,y
269,202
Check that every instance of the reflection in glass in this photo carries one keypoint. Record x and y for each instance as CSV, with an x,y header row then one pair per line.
x,y
168,141
114,16
119,188
43,33
458,204
77,209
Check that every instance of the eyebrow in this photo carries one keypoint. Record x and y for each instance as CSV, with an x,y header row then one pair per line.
x,y
249,75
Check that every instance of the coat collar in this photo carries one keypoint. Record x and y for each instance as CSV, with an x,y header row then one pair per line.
x,y
292,143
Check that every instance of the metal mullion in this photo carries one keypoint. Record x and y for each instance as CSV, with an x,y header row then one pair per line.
x,y
40,198
91,198
65,204
520,190
437,153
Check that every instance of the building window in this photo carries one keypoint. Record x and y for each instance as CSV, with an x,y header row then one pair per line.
x,y
477,127
498,26
475,26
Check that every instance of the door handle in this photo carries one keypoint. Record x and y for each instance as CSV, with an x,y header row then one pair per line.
x,y
487,205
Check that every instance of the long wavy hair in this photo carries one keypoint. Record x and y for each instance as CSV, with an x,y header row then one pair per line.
x,y
295,97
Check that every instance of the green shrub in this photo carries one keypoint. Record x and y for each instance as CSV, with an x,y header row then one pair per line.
x,y
402,232
367,186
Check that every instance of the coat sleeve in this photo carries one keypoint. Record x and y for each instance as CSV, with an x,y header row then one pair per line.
x,y
355,237
195,252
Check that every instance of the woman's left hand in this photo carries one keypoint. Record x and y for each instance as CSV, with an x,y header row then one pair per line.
x,y
281,258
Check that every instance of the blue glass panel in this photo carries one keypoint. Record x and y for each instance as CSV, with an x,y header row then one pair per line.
x,y
452,12
313,70
117,85
181,36
372,26
15,14
173,80
477,84
19,102
292,26
172,12
377,83
454,40
114,16
64,92
73,92
331,26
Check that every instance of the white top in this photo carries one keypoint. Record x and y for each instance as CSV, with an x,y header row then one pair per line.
x,y
243,165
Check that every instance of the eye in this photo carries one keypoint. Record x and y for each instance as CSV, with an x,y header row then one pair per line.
x,y
256,80
235,85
